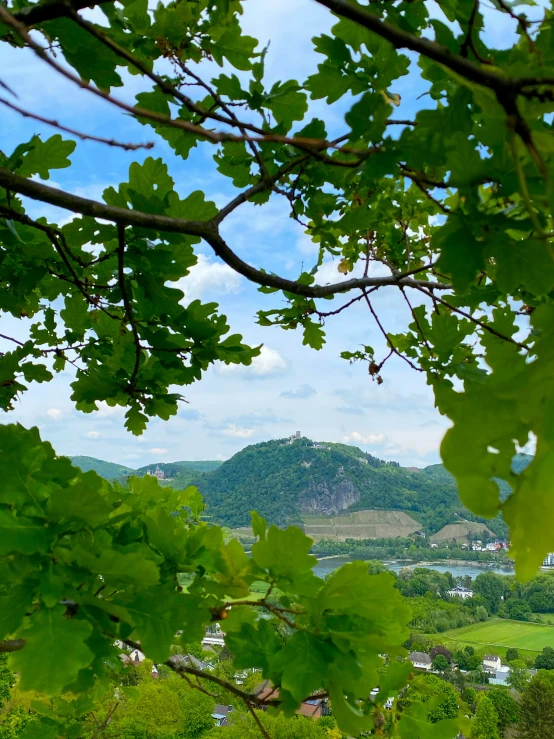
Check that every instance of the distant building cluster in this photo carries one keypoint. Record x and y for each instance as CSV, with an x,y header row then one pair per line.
x,y
158,473
549,560
493,546
459,592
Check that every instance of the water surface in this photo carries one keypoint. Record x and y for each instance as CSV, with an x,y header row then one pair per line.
x,y
325,566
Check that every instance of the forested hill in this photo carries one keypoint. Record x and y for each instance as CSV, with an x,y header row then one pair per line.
x,y
113,471
285,482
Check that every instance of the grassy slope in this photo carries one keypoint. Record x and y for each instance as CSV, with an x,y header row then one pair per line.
x,y
501,633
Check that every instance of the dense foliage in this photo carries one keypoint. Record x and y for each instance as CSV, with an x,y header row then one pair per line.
x,y
455,207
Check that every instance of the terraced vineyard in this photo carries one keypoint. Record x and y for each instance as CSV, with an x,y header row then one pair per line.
x,y
361,525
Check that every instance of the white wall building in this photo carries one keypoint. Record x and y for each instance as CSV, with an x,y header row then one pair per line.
x,y
420,660
459,592
491,663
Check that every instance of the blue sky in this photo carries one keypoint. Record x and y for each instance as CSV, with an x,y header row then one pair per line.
x,y
289,387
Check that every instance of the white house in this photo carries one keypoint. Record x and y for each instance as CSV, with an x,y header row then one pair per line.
x,y
549,560
388,703
459,592
500,676
492,663
420,660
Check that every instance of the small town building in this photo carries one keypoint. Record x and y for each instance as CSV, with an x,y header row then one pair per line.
x,y
500,676
492,663
314,707
420,660
459,592
549,560
220,714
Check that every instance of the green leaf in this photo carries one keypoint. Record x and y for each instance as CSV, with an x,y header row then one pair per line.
x,y
234,47
20,534
42,156
55,643
461,256
287,103
302,663
14,604
314,335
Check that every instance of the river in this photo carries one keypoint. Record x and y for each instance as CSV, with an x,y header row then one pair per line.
x,y
458,569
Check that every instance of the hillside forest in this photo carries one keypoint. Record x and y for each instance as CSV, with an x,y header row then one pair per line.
x,y
284,481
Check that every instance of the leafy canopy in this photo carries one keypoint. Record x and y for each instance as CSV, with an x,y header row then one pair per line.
x,y
455,208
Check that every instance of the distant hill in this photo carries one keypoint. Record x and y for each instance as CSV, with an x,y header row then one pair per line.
x,y
172,469
107,470
295,482
285,482
112,471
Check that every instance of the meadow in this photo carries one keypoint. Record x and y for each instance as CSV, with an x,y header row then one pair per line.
x,y
501,633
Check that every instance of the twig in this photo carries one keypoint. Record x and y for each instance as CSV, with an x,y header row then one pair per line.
x,y
417,323
127,304
10,338
73,132
256,718
428,195
522,22
387,338
468,42
11,645
471,318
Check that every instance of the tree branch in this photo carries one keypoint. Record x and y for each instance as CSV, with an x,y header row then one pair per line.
x,y
207,230
73,132
129,314
11,645
52,9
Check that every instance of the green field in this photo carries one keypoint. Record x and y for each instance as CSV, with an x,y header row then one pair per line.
x,y
502,633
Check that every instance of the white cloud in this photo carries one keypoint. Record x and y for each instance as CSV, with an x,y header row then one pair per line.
x,y
268,363
54,413
157,450
105,410
211,278
237,432
92,435
305,245
361,439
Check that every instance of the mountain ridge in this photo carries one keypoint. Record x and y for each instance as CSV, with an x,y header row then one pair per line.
x,y
286,480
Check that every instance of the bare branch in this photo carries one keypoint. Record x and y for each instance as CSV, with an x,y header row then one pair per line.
x,y
476,321
129,313
256,718
48,11
73,132
391,346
